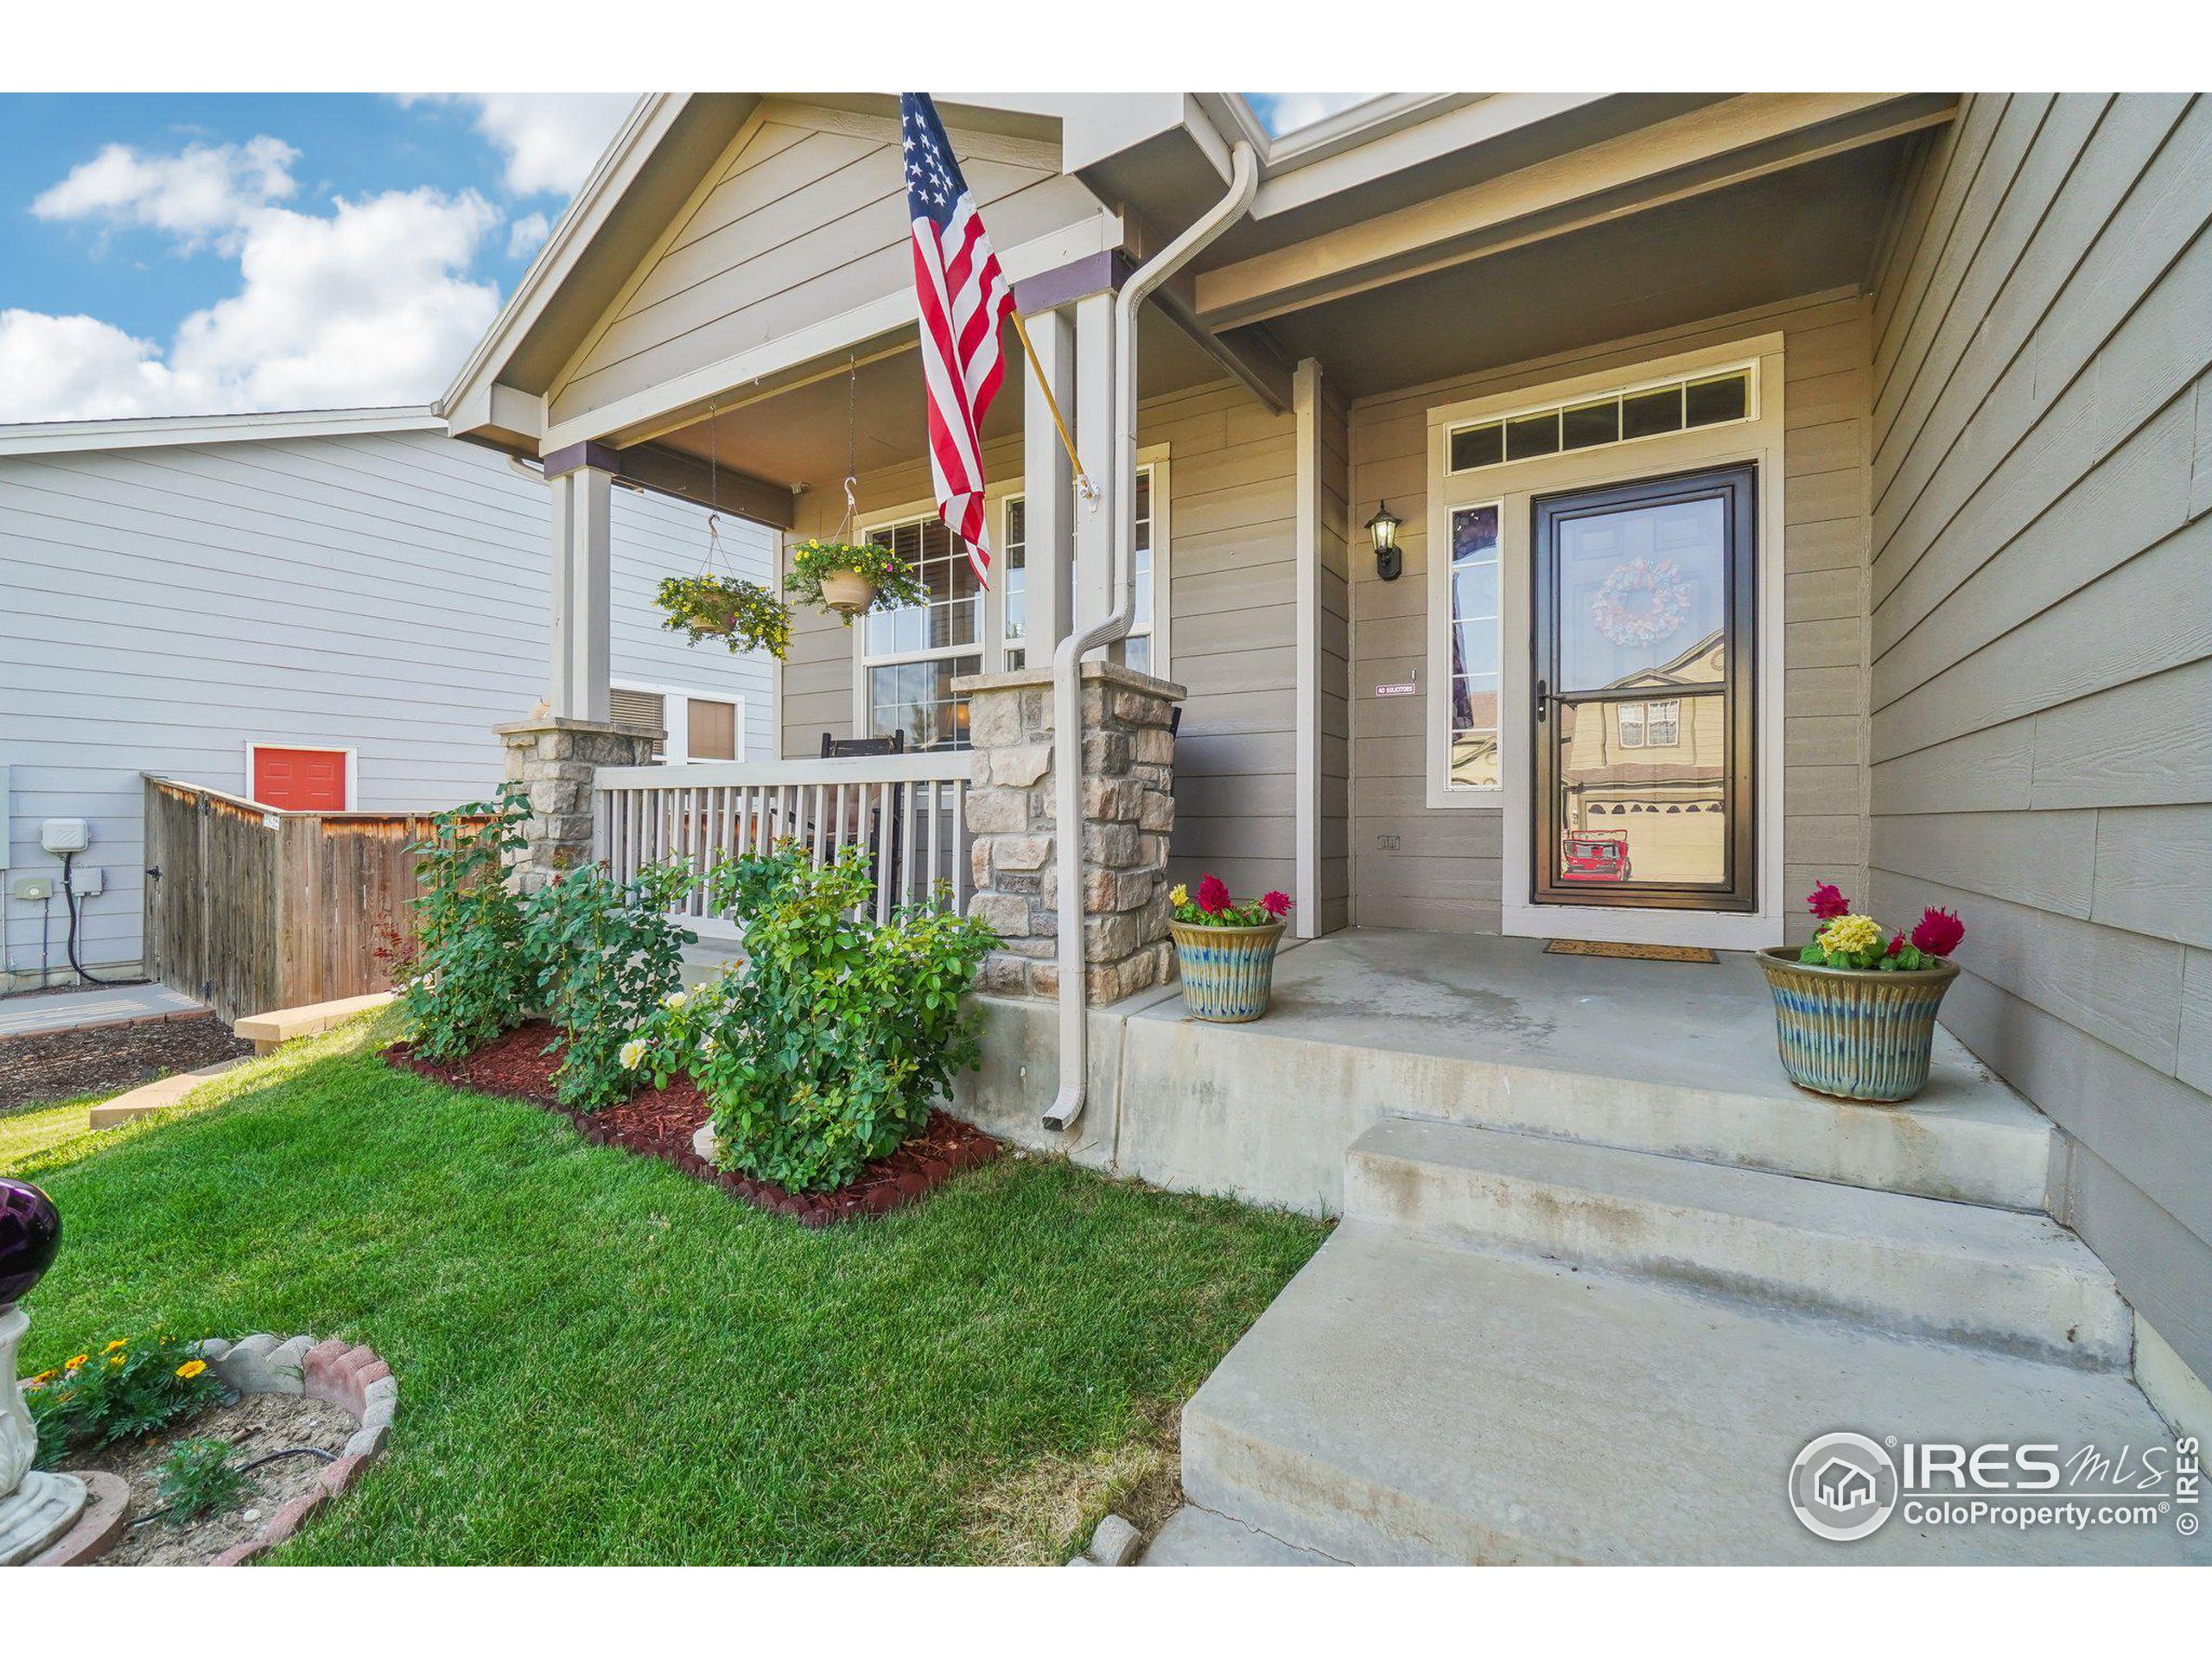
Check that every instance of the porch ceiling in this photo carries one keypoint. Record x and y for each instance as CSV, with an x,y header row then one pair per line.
x,y
796,436
1804,231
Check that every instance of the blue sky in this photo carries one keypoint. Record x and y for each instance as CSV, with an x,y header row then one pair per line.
x,y
165,254
199,253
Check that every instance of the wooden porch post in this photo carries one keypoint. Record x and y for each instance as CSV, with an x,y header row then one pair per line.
x,y
583,480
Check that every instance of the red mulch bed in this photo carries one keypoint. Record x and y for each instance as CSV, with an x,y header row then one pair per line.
x,y
661,1122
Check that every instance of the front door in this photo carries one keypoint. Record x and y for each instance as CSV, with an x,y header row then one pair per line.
x,y
1643,704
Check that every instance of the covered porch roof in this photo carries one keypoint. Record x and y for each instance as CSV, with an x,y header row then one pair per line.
x,y
707,304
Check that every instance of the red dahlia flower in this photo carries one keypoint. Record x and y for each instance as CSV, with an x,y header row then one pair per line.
x,y
1213,897
1275,904
1938,932
1827,902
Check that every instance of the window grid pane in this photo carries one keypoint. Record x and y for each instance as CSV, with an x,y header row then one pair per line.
x,y
1619,417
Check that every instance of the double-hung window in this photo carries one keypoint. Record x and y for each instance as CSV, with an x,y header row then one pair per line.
x,y
1140,650
910,656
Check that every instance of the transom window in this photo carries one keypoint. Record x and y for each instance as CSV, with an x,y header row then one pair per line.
x,y
1620,416
1476,645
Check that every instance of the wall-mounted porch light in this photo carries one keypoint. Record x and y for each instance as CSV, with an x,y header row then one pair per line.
x,y
1389,557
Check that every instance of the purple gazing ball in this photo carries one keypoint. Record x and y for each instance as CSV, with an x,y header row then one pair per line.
x,y
30,1233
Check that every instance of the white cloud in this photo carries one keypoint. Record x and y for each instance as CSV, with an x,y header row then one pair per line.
x,y
527,234
204,192
368,303
78,369
549,139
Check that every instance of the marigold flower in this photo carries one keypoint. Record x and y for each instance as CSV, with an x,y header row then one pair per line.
x,y
40,1380
1275,904
1178,894
1851,936
119,1342
1213,895
1938,932
191,1368
1827,902
75,1360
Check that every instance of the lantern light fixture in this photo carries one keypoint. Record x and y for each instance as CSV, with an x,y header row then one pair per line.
x,y
1389,557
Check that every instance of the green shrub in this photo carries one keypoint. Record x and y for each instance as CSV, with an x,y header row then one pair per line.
x,y
606,952
472,979
130,1388
823,1050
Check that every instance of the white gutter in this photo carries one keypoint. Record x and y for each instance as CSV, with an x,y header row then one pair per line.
x,y
1067,659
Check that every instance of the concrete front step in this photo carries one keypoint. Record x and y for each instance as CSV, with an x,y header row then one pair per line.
x,y
1407,1400
2000,1279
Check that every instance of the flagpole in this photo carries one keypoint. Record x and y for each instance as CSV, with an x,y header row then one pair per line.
x,y
1084,486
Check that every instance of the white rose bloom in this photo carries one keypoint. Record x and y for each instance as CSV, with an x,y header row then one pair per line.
x,y
632,1053
674,1000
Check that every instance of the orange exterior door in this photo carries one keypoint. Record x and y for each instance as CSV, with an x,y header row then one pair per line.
x,y
299,780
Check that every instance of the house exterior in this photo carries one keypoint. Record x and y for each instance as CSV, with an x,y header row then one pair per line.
x,y
1786,488
319,611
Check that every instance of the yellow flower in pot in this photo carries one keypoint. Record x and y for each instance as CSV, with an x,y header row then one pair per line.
x,y
853,578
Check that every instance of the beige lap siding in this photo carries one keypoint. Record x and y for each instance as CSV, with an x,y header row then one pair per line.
x,y
2042,630
1445,872
1232,518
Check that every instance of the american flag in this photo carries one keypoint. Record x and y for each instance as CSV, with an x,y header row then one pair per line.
x,y
963,296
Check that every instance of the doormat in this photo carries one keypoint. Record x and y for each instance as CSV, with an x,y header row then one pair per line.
x,y
1630,952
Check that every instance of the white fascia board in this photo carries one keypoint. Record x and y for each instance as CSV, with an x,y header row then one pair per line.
x,y
55,437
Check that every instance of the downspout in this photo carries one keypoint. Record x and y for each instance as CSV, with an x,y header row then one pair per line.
x,y
1067,659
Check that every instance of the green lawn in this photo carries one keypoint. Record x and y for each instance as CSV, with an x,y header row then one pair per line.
x,y
603,1360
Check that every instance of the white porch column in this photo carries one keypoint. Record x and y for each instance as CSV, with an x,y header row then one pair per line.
x,y
1094,436
1048,488
583,480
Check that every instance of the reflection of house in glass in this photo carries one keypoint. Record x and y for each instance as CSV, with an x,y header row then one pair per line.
x,y
1642,781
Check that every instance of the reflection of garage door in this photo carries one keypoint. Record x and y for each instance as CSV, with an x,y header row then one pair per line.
x,y
299,780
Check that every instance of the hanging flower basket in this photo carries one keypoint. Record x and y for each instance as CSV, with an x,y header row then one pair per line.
x,y
852,578
1855,1017
1225,951
743,614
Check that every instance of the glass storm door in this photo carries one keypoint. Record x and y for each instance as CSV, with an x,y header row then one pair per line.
x,y
1644,702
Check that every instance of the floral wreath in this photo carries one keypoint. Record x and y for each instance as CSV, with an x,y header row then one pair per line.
x,y
1669,608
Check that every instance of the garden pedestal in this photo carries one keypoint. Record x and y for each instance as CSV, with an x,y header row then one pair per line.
x,y
35,1508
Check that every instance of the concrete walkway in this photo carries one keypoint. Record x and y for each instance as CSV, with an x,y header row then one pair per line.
x,y
33,1012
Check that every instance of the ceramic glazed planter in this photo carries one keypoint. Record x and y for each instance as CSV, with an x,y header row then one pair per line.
x,y
1227,972
1856,1033
848,593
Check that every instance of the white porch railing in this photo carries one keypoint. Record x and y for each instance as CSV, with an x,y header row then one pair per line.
x,y
909,811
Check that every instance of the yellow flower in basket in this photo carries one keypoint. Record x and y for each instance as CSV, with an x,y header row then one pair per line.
x,y
1178,894
1849,935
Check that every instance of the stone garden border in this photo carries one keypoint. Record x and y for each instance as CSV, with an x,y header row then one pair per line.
x,y
342,1374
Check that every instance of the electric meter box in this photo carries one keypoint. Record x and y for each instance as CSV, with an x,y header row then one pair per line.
x,y
65,834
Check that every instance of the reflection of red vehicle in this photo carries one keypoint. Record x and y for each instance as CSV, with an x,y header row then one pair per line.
x,y
1593,858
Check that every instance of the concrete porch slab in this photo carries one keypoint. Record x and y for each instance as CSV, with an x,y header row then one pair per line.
x,y
31,1013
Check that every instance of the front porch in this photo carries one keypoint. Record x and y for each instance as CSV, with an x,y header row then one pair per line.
x,y
1667,1058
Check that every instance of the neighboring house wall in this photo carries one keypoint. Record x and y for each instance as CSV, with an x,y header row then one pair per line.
x,y
161,607
2042,643
1232,523
1444,871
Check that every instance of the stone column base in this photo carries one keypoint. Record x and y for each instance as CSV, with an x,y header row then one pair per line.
x,y
1128,757
556,758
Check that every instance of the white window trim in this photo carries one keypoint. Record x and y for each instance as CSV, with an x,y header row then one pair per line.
x,y
1623,390
321,746
675,746
992,645
1757,439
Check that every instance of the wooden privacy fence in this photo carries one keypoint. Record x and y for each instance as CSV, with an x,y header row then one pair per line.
x,y
249,908
909,811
